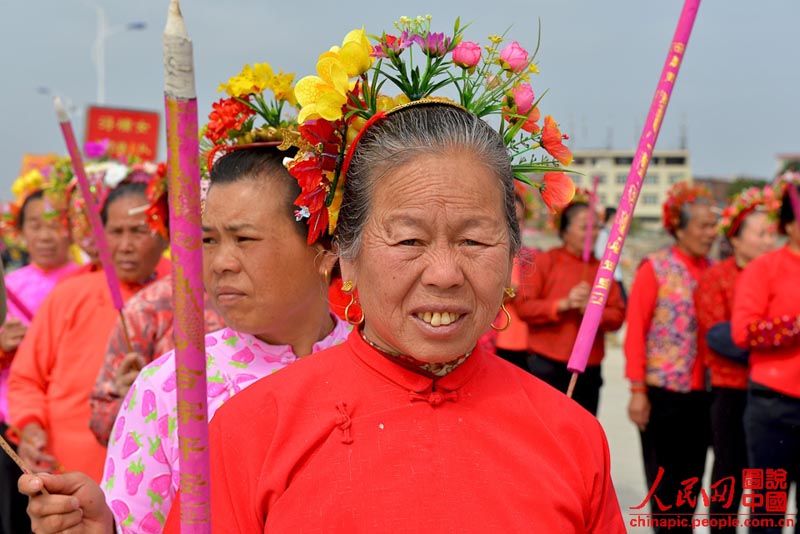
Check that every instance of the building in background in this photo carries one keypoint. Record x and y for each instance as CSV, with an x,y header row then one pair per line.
x,y
667,167
787,162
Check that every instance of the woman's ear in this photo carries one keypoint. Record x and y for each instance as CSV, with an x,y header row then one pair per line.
x,y
348,270
327,264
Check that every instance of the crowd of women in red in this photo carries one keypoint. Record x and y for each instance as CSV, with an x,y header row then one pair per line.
x,y
362,262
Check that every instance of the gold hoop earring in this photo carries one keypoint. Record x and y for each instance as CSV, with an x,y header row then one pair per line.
x,y
508,319
347,311
347,287
325,276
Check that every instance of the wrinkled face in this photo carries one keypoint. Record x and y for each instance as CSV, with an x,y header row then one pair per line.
x,y
574,235
434,258
757,236
258,270
135,249
699,234
46,238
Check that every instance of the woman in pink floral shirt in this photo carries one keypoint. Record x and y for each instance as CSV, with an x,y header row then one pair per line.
x,y
271,290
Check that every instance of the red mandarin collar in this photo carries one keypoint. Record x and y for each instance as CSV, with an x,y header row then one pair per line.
x,y
410,379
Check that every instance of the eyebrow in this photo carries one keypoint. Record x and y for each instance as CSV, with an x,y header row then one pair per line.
x,y
232,227
408,220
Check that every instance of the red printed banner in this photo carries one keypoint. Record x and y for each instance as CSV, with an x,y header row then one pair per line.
x,y
131,132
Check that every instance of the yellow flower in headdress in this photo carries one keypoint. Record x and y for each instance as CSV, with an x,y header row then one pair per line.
x,y
355,53
281,85
324,95
256,79
27,184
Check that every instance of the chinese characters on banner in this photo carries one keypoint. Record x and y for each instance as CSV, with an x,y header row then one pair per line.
x,y
132,133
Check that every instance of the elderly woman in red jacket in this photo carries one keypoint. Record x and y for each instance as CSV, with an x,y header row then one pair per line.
x,y
553,297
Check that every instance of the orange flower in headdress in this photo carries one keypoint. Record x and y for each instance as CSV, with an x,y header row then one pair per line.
x,y
552,141
681,193
557,190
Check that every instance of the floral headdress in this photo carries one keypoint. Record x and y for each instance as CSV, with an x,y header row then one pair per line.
x,y
781,185
680,194
249,116
745,203
105,174
24,186
350,92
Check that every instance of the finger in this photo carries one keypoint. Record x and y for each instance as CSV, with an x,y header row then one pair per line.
x,y
45,458
129,361
129,377
41,506
29,485
57,523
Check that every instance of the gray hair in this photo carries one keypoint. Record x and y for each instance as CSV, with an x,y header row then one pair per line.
x,y
406,134
685,213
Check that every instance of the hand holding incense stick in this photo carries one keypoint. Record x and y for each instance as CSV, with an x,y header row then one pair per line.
x,y
17,460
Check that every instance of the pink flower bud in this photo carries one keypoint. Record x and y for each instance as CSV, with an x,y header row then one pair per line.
x,y
514,57
467,54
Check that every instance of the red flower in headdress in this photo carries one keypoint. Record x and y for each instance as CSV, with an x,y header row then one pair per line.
x,y
552,141
313,174
158,210
229,114
680,194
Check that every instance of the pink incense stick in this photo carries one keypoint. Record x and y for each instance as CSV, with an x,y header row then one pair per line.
x,y
18,304
183,153
589,244
794,198
91,207
604,278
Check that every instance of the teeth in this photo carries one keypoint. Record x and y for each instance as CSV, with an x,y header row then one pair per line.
x,y
439,318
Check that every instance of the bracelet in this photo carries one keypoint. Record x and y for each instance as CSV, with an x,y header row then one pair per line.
x,y
638,389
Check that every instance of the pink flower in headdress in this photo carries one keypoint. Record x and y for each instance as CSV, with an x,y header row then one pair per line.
x,y
467,54
513,57
433,44
523,98
391,45
96,149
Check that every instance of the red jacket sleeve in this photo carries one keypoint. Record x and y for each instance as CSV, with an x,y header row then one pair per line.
x,y
614,312
750,325
532,306
605,516
30,371
641,303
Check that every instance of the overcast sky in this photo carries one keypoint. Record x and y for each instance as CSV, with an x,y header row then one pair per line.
x,y
735,97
